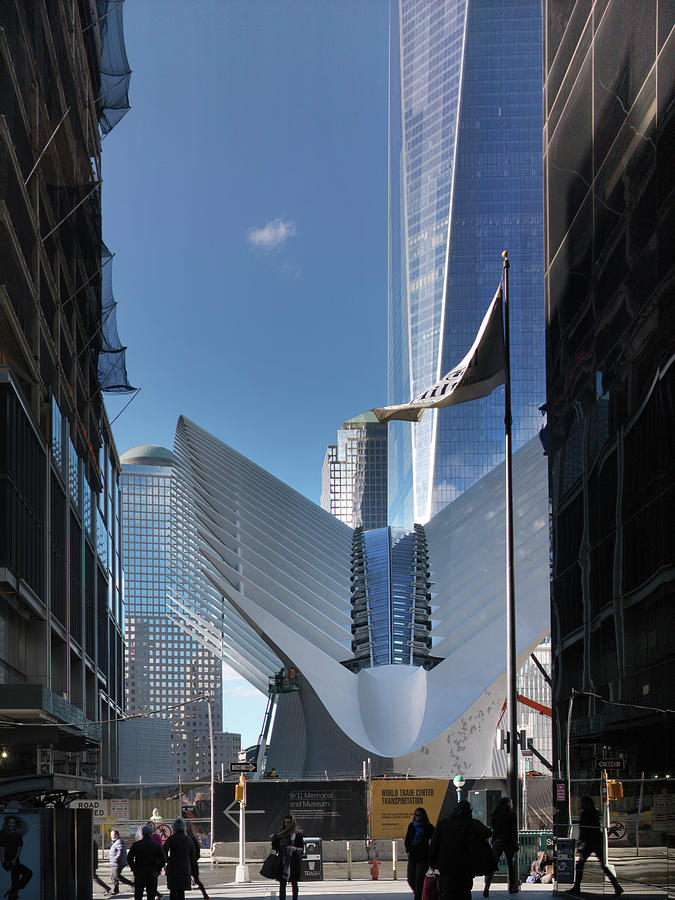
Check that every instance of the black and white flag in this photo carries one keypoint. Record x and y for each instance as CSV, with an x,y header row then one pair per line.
x,y
477,375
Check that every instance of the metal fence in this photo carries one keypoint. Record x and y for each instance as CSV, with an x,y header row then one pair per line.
x,y
127,807
640,837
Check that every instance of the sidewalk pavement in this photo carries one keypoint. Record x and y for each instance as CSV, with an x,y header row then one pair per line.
x,y
218,880
360,889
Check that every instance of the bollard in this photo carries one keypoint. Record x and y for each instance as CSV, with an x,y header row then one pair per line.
x,y
349,860
393,860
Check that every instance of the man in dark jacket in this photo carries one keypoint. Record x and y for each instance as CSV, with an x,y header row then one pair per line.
x,y
118,860
448,852
146,860
591,841
180,860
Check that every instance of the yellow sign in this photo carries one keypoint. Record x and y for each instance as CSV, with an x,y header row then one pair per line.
x,y
394,802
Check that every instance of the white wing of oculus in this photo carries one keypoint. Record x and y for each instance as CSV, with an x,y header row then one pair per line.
x,y
270,581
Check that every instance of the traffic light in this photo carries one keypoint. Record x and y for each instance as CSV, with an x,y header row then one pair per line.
x,y
614,789
240,790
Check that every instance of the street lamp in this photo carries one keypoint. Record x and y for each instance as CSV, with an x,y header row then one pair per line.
x,y
459,781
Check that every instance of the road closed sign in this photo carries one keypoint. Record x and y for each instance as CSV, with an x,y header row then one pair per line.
x,y
98,807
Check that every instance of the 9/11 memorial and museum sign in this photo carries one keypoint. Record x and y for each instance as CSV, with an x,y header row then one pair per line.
x,y
334,810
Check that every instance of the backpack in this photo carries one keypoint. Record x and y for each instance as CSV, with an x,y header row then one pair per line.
x,y
480,858
195,841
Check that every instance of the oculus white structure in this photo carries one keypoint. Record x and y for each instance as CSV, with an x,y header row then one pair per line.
x,y
398,637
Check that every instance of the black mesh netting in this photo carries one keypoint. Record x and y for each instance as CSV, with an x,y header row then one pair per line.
x,y
111,363
114,65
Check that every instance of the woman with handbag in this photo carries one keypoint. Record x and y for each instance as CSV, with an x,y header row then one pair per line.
x,y
416,842
288,843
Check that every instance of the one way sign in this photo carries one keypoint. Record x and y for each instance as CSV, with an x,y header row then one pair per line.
x,y
238,768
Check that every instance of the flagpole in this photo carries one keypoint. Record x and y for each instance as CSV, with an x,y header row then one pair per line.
x,y
511,695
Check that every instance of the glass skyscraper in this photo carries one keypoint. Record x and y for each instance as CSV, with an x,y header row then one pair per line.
x,y
465,183
164,665
354,474
391,609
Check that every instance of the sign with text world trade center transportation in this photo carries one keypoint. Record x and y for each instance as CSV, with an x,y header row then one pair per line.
x,y
394,801
332,810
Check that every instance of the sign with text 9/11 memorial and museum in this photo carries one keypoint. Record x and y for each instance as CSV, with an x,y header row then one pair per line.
x,y
333,810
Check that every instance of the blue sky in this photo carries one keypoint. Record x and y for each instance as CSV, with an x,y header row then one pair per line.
x,y
244,197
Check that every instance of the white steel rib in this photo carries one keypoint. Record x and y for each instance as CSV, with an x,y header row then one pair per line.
x,y
264,580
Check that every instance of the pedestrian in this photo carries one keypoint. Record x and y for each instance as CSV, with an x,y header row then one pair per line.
x,y
288,843
118,860
591,841
195,867
157,838
95,862
448,851
146,860
504,840
180,856
417,839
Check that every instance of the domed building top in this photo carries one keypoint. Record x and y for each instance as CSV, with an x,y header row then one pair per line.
x,y
147,455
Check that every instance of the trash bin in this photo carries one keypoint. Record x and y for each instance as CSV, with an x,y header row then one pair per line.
x,y
312,860
565,852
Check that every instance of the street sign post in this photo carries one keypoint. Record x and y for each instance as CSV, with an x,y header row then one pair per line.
x,y
99,808
614,764
237,768
241,872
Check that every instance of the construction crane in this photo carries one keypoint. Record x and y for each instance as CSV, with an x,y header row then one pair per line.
x,y
284,681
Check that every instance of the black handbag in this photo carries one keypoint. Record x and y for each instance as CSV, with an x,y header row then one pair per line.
x,y
271,868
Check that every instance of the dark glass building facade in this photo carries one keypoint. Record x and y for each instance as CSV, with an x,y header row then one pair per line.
x,y
61,598
464,184
609,157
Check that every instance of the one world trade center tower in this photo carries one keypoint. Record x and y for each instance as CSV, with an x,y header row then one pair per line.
x,y
465,183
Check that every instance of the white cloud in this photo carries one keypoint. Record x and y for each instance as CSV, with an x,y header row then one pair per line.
x,y
272,236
